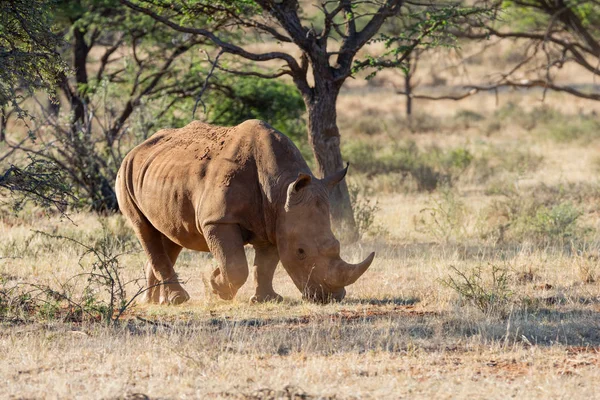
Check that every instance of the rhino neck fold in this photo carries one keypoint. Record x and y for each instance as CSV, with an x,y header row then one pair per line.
x,y
278,162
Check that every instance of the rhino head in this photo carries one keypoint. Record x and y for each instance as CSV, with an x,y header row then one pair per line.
x,y
308,250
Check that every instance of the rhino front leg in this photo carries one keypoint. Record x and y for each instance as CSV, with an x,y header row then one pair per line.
x,y
265,263
227,246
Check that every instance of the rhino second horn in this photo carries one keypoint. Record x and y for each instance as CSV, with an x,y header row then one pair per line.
x,y
332,180
350,273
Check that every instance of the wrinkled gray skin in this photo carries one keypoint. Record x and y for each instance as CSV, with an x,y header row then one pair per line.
x,y
210,188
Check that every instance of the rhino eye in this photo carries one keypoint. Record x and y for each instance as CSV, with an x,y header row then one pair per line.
x,y
301,254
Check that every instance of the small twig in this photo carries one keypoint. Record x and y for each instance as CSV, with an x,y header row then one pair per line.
x,y
205,86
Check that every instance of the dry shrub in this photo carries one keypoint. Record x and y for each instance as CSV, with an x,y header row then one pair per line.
x,y
486,288
365,207
542,216
427,169
587,267
97,293
444,218
547,122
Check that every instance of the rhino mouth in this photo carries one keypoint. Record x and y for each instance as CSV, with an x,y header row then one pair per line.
x,y
325,285
322,296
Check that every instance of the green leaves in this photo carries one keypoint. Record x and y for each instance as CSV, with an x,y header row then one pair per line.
x,y
419,29
535,15
243,98
28,57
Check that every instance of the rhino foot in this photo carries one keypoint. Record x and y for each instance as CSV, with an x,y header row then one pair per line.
x,y
173,293
263,298
222,289
178,299
175,299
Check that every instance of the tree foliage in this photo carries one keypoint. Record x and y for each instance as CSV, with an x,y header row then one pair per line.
x,y
236,100
40,181
29,61
129,72
29,58
421,28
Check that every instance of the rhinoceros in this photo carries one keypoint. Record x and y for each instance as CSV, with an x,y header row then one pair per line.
x,y
216,189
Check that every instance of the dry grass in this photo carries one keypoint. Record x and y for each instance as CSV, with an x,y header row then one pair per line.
x,y
402,331
243,361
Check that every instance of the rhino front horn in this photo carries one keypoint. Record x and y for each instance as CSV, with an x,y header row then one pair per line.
x,y
351,272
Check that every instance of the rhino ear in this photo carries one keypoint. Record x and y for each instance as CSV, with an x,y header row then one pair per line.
x,y
332,180
302,181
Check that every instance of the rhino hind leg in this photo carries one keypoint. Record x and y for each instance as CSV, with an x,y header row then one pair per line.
x,y
161,251
265,262
226,243
163,285
153,291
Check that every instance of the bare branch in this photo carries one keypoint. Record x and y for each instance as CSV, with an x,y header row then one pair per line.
x,y
154,79
525,84
329,16
205,86
227,47
105,57
255,73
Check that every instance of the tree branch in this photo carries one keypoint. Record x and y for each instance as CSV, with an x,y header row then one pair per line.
x,y
106,56
227,47
255,73
205,86
354,42
525,83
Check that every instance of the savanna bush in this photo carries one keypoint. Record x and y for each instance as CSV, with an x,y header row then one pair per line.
x,y
427,169
465,119
542,216
547,122
485,287
445,217
374,123
494,161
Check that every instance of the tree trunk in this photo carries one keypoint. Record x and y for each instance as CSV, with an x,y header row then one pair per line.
x,y
408,85
408,91
324,138
79,97
3,123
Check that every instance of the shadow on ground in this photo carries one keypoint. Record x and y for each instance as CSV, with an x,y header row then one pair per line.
x,y
391,326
